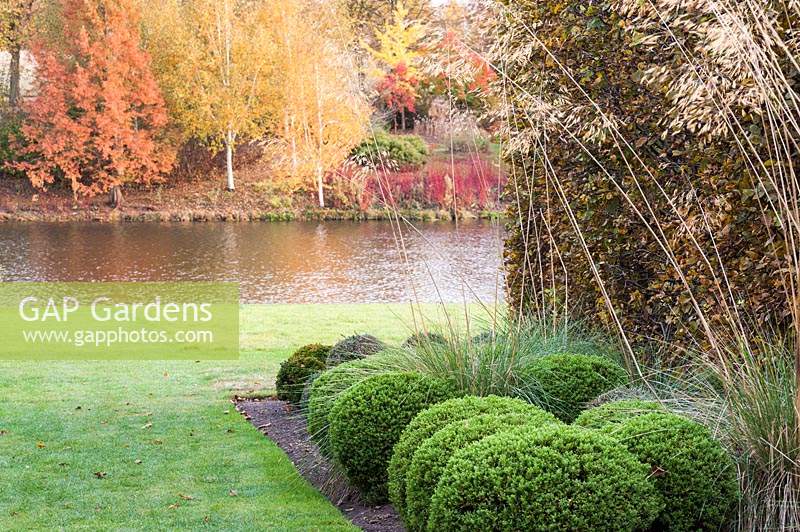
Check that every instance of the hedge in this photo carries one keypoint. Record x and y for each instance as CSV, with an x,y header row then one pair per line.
x,y
550,478
700,185
367,420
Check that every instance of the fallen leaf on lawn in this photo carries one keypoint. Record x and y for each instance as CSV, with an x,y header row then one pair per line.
x,y
233,493
137,462
229,431
174,506
157,442
100,474
63,464
78,407
40,444
206,519
185,497
166,375
147,426
3,432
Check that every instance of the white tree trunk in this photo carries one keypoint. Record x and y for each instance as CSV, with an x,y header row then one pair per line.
x,y
229,156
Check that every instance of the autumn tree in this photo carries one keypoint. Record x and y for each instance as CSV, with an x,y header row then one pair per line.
x,y
398,54
368,17
16,21
215,62
97,113
323,112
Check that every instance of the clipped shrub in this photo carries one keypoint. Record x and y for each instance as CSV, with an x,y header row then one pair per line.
x,y
329,386
425,425
432,456
696,478
565,383
318,351
549,478
352,348
383,149
615,413
368,419
292,377
419,339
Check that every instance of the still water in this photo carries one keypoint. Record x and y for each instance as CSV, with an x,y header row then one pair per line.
x,y
294,262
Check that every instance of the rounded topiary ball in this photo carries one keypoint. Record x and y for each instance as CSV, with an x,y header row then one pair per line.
x,y
318,351
697,479
352,348
367,420
328,386
433,454
292,377
427,422
615,413
549,478
565,383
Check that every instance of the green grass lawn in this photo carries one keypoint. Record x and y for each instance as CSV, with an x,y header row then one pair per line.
x,y
158,445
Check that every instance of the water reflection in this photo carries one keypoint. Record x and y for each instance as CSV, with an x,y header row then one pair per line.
x,y
298,262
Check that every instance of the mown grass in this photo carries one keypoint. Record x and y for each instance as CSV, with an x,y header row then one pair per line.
x,y
158,445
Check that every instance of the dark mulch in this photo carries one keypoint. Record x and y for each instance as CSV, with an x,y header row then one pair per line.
x,y
284,425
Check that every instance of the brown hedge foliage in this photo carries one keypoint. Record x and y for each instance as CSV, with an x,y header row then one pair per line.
x,y
694,191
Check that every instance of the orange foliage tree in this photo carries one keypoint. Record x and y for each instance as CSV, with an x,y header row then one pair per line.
x,y
97,115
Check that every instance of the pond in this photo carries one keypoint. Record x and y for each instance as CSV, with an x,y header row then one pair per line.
x,y
292,262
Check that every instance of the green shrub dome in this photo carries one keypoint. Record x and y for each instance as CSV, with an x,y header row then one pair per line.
x,y
419,339
616,412
549,478
292,377
318,351
427,422
367,420
695,476
328,386
353,348
434,453
565,383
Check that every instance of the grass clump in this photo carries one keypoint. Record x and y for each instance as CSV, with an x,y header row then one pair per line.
x,y
432,456
427,422
368,419
352,348
564,383
549,478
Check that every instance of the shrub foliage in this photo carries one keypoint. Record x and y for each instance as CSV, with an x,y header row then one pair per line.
x,y
693,192
318,351
433,454
292,377
424,425
693,473
615,413
384,150
565,383
367,420
550,478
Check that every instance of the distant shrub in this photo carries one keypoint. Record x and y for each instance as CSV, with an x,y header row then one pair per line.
x,y
615,413
367,420
427,422
432,456
383,149
424,338
695,476
352,348
565,383
329,386
318,351
292,377
549,478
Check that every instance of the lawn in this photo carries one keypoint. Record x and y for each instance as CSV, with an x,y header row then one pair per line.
x,y
145,445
